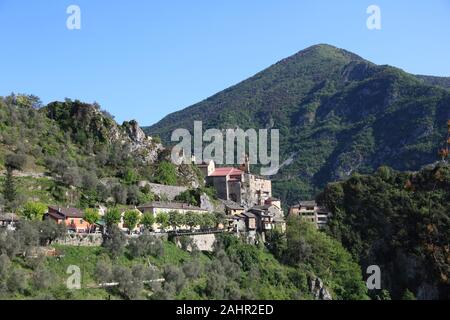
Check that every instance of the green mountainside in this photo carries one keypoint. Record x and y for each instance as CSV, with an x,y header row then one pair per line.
x,y
74,153
400,222
337,113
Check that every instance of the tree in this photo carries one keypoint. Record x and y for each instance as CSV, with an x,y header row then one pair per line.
x,y
131,219
103,271
17,281
13,162
9,190
174,275
92,216
176,219
207,221
49,231
119,194
129,286
148,220
114,241
34,210
145,245
192,219
41,278
112,217
163,220
166,173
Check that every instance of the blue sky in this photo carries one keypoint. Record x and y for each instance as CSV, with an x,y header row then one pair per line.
x,y
143,59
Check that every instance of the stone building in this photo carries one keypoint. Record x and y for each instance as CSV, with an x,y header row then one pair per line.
x,y
312,212
240,186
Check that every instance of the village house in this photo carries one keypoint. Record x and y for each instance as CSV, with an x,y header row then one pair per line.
x,y
312,212
73,218
156,207
268,217
232,208
244,226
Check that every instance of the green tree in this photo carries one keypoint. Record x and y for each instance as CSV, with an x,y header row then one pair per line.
x,y
14,161
163,220
207,221
131,219
148,220
34,210
166,173
114,241
176,219
92,216
112,216
192,219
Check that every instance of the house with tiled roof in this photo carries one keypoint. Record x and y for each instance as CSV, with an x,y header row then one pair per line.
x,y
73,218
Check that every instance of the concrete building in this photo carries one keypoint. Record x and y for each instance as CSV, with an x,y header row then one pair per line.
x,y
312,212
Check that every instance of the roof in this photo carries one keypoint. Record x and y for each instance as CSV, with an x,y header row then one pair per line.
x,y
12,217
310,203
261,208
226,171
249,215
231,205
170,205
68,212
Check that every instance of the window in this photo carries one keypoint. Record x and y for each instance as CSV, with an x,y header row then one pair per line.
x,y
81,221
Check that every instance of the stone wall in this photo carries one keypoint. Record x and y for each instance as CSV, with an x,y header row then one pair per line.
x,y
162,191
81,240
204,242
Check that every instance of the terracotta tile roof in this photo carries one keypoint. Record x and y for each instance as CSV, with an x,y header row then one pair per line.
x,y
67,212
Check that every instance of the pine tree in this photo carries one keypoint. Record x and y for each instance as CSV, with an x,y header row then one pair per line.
x,y
9,189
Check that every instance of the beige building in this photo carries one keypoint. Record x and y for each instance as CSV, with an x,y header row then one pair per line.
x,y
310,211
155,208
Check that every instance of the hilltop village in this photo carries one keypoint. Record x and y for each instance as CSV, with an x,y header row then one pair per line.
x,y
243,205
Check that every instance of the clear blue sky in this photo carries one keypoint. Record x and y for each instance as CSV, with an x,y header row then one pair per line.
x,y
143,59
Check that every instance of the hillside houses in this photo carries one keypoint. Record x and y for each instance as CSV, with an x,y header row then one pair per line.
x,y
312,212
247,199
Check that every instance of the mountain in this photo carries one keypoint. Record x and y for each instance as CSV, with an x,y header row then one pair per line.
x,y
337,113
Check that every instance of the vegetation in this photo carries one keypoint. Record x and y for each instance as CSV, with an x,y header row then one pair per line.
x,y
234,270
76,154
400,222
337,114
